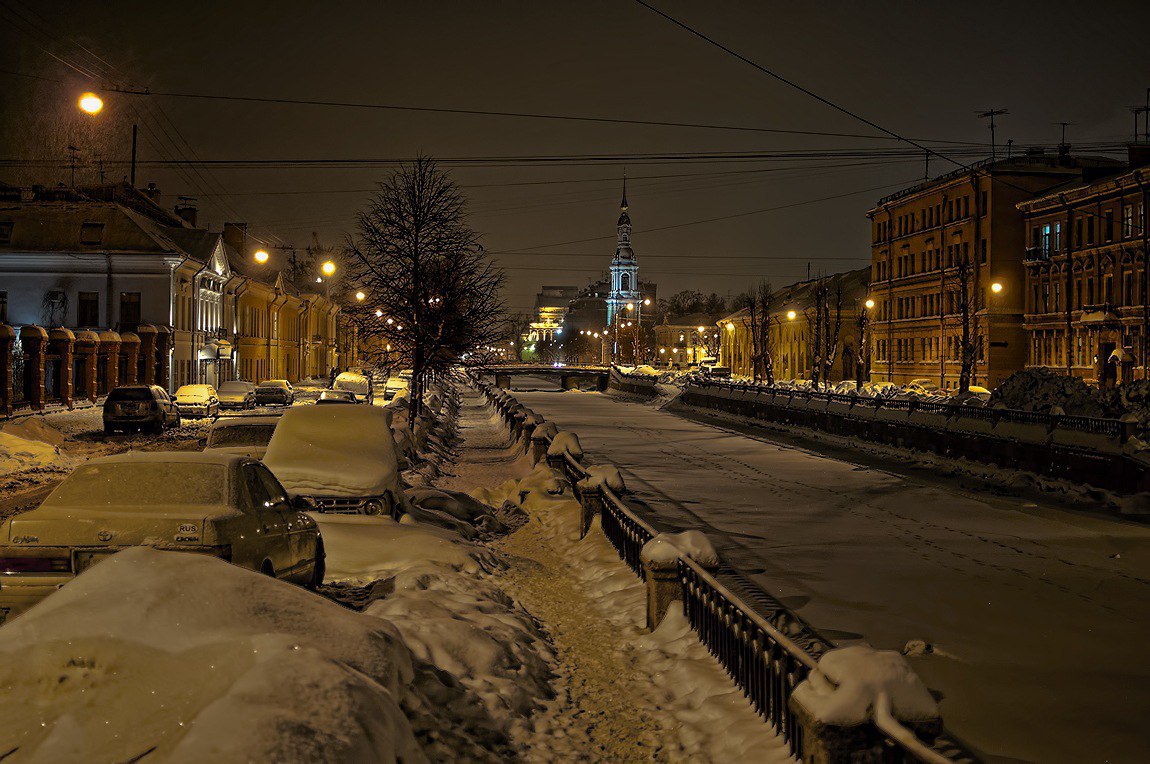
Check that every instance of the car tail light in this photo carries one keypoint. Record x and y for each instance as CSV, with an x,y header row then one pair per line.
x,y
16,565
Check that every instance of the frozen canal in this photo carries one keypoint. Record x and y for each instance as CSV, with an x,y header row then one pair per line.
x,y
1039,617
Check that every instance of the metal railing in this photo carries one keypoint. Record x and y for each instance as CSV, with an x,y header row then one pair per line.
x,y
764,662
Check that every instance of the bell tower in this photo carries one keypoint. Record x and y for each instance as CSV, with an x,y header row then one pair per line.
x,y
624,269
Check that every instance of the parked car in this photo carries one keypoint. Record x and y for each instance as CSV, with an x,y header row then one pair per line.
x,y
275,391
142,408
242,435
924,387
338,459
356,383
394,386
236,394
198,401
337,396
218,504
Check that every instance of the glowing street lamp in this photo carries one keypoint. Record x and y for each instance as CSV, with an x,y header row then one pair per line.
x,y
701,329
730,327
996,287
791,315
869,304
647,301
90,103
379,313
630,306
261,256
359,296
328,268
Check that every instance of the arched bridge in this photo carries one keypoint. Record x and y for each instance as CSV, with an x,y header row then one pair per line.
x,y
569,377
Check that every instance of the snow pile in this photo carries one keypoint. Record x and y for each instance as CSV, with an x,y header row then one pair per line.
x,y
546,429
565,442
200,660
334,451
1040,389
646,371
668,547
849,679
603,475
30,443
542,480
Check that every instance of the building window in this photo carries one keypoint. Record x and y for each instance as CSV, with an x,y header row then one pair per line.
x,y
91,233
88,309
129,309
1127,221
5,232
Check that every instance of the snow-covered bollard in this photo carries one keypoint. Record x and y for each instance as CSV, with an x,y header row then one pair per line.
x,y
660,558
564,442
590,490
838,704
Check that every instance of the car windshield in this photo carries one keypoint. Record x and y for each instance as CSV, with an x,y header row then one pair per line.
x,y
194,391
131,486
130,394
241,435
274,383
235,387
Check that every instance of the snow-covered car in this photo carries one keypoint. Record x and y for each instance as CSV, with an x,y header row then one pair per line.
x,y
139,407
394,386
236,394
355,383
336,396
338,459
882,389
242,435
197,401
846,387
275,391
217,504
923,387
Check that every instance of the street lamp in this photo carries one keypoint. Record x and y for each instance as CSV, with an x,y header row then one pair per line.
x,y
647,301
869,304
996,287
630,306
261,256
730,327
90,103
379,314
328,268
791,315
359,296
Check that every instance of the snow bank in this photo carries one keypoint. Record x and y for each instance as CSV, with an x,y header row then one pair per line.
x,y
603,475
334,451
21,449
565,441
200,660
546,430
849,679
1040,389
668,547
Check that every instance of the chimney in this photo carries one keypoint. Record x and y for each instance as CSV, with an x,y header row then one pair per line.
x,y
152,191
1138,154
186,210
236,236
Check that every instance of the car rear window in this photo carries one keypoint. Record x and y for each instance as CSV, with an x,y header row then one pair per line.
x,y
274,383
130,394
131,486
241,435
235,387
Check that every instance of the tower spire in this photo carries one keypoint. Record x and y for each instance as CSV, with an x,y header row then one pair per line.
x,y
623,204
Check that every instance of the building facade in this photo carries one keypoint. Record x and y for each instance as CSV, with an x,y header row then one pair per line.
x,y
790,329
689,340
101,287
1087,292
950,247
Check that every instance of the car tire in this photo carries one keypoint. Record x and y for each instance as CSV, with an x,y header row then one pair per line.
x,y
109,429
319,569
267,569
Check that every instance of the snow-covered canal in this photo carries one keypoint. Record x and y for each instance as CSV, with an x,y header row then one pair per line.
x,y
1039,617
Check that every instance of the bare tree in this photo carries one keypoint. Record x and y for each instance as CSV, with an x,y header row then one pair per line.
x,y
862,360
967,306
760,304
431,292
826,331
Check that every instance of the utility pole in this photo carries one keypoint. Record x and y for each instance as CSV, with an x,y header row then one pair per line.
x,y
926,168
1062,141
991,114
72,163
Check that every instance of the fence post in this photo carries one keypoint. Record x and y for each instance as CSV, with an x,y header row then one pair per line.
x,y
663,589
591,500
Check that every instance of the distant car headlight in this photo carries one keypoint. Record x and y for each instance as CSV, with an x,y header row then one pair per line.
x,y
373,507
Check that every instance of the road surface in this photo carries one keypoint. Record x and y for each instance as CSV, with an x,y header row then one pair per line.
x,y
1038,616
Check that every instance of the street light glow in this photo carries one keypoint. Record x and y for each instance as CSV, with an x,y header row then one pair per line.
x,y
379,314
328,268
90,103
791,315
730,327
647,301
869,304
996,287
261,256
359,296
701,330
630,306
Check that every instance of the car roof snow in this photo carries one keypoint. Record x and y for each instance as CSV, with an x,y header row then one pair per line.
x,y
169,457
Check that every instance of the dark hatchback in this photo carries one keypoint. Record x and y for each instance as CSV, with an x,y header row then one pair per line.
x,y
275,391
141,408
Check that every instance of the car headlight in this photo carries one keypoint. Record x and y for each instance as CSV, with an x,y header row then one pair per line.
x,y
373,507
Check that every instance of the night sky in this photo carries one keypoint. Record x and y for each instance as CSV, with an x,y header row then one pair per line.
x,y
920,69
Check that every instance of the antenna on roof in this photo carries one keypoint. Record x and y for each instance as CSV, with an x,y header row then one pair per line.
x,y
991,114
1062,141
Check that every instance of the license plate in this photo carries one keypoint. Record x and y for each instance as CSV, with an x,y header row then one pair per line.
x,y
85,560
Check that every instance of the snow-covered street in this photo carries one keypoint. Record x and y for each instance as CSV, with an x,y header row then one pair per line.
x,y
1029,619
